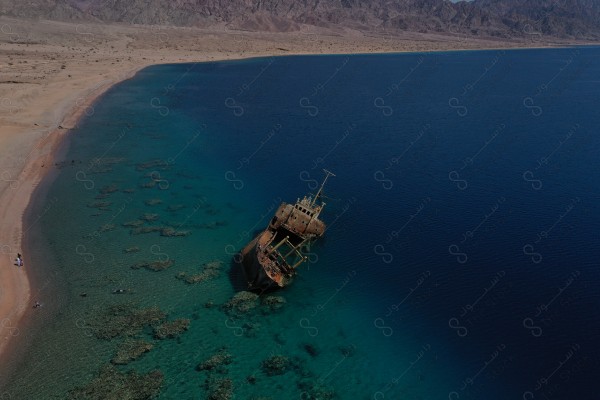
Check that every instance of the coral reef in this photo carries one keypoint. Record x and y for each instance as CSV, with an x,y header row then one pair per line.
x,y
175,207
212,211
109,189
107,227
312,390
101,205
172,329
273,302
241,303
277,365
216,363
131,350
133,224
347,351
153,202
112,384
172,232
164,231
145,229
155,266
148,185
311,349
126,320
251,329
212,225
154,164
210,271
149,217
218,388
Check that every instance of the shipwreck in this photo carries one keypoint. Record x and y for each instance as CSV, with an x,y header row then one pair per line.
x,y
271,259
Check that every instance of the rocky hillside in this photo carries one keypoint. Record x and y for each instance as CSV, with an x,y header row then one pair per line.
x,y
499,18
559,18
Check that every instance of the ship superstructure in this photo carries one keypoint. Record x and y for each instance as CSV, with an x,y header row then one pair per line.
x,y
271,259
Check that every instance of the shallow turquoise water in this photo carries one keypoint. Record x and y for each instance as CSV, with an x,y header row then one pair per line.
x,y
420,288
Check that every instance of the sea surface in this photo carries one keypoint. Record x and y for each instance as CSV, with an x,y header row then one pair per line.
x,y
461,259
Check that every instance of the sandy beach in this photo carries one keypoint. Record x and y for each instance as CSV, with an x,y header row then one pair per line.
x,y
52,72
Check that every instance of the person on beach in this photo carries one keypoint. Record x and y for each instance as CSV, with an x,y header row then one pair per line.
x,y
37,304
19,260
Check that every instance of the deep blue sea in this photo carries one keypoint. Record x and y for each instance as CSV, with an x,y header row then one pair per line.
x,y
460,260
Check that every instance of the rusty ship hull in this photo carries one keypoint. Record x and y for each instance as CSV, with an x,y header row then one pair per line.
x,y
256,276
271,259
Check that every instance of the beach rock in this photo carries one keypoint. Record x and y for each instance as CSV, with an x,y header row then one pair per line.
x,y
113,384
131,350
172,329
217,363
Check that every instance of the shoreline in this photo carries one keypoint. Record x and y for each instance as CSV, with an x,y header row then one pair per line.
x,y
15,289
70,106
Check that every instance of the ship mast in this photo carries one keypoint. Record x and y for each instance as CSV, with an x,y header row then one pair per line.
x,y
328,174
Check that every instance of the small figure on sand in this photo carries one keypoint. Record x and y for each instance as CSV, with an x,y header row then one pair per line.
x,y
19,260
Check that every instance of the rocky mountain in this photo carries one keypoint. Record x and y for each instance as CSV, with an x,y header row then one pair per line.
x,y
559,18
499,18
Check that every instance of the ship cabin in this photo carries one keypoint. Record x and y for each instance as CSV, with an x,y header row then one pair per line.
x,y
299,220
